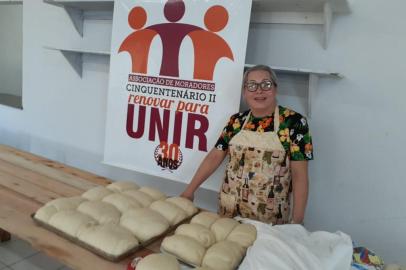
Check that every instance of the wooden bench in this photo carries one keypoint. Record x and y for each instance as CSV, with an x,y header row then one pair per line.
x,y
27,182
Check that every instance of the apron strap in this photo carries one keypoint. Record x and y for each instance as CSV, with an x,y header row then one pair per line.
x,y
276,119
246,120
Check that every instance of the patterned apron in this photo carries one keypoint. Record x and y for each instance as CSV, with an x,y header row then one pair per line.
x,y
257,183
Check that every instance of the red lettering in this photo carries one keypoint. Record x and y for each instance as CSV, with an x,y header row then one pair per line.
x,y
177,130
155,123
200,132
130,121
196,126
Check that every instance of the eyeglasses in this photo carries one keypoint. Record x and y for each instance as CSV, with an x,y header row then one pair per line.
x,y
265,85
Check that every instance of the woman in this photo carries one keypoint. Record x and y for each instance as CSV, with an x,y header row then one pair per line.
x,y
267,157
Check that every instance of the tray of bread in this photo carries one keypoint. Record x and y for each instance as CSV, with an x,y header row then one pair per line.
x,y
115,221
210,242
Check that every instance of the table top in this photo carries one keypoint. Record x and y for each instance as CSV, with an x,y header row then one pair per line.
x,y
27,182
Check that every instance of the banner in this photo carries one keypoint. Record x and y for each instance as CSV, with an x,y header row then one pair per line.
x,y
175,79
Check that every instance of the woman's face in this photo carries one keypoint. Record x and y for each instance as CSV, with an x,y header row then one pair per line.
x,y
261,102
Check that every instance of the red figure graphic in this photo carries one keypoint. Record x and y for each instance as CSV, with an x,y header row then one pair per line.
x,y
208,46
138,43
172,35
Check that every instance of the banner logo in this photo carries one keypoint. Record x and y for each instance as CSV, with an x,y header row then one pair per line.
x,y
208,46
168,156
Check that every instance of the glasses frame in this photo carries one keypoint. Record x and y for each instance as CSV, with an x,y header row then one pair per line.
x,y
259,85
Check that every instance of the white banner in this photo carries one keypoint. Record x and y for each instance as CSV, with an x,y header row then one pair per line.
x,y
175,78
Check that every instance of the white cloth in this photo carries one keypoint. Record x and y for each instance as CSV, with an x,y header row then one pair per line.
x,y
292,247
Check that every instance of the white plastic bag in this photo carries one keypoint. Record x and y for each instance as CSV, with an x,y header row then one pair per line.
x,y
292,247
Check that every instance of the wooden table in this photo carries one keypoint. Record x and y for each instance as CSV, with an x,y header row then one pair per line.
x,y
27,182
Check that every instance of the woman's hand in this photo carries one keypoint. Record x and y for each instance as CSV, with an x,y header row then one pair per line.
x,y
188,195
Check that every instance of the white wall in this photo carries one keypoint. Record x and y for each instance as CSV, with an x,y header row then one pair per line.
x,y
356,182
11,49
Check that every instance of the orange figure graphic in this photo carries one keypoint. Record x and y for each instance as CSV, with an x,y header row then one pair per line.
x,y
138,43
208,46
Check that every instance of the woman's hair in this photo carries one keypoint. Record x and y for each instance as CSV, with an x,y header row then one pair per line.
x,y
266,68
